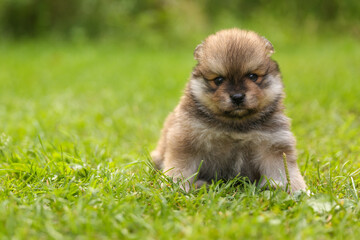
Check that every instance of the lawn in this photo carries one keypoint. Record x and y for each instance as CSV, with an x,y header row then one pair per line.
x,y
78,122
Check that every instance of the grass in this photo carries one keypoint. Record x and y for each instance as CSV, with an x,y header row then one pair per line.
x,y
78,121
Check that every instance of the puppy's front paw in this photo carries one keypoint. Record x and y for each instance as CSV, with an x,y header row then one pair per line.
x,y
269,183
200,183
184,185
187,186
292,188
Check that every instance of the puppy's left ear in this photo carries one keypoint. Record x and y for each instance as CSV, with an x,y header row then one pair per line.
x,y
269,46
198,51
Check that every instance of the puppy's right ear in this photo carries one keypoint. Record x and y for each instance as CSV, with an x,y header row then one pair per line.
x,y
198,51
269,46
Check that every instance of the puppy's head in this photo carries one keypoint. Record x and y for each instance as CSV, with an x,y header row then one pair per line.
x,y
235,76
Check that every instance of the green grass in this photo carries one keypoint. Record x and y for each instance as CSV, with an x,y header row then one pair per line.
x,y
78,121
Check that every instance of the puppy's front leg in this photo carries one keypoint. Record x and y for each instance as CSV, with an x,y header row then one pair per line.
x,y
183,171
272,168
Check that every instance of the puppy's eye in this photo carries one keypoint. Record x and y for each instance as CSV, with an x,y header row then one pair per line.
x,y
253,77
218,81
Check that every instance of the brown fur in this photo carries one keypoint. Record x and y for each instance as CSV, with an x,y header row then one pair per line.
x,y
231,139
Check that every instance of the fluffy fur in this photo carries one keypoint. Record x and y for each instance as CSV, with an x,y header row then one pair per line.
x,y
247,137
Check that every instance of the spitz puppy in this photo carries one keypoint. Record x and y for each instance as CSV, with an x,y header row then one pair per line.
x,y
231,118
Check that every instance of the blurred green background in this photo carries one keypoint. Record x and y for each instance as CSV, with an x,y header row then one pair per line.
x,y
173,21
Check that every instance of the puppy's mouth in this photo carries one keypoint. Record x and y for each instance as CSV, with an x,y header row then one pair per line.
x,y
238,112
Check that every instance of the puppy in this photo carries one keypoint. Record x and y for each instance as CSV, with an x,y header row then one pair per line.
x,y
230,119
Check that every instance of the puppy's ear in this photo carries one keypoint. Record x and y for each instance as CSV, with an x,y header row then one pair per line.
x,y
269,46
198,51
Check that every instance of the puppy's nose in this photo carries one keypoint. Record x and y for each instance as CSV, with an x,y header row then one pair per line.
x,y
237,98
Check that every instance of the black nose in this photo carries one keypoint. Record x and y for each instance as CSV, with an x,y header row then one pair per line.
x,y
237,98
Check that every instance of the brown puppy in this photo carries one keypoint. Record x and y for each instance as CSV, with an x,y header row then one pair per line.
x,y
230,117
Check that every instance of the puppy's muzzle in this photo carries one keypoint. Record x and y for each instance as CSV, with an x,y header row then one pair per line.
x,y
237,98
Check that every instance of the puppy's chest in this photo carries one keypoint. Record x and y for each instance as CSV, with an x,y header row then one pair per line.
x,y
224,155
211,141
